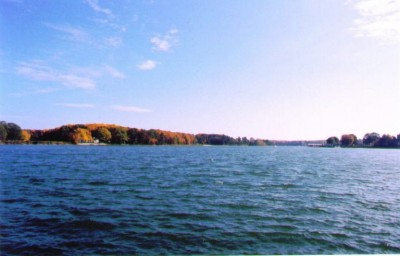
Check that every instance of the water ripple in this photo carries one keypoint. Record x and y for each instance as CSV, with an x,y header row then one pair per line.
x,y
65,200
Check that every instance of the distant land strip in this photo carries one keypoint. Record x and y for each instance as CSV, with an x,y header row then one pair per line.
x,y
106,134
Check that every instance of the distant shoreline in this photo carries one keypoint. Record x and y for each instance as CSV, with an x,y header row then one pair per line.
x,y
98,134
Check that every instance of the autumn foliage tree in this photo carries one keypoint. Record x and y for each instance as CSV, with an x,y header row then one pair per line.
x,y
25,135
82,135
115,134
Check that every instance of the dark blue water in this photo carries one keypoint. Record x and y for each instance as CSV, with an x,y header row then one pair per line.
x,y
71,200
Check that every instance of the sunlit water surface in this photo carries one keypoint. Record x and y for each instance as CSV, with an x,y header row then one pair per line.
x,y
76,200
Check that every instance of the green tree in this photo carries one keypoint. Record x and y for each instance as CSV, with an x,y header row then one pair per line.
x,y
119,135
332,141
102,134
371,138
3,131
348,140
13,132
133,134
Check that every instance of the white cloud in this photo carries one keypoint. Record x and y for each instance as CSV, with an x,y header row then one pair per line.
x,y
130,109
165,42
113,72
379,19
94,4
74,105
160,44
148,65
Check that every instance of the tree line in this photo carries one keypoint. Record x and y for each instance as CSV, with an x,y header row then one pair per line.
x,y
372,139
115,134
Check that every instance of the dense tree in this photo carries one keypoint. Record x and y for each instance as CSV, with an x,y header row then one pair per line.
x,y
332,141
348,140
133,134
371,138
102,134
3,131
82,135
13,131
119,135
387,141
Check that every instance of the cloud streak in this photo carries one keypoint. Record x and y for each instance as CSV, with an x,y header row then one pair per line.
x,y
379,19
132,109
83,78
94,4
74,105
40,72
114,73
72,33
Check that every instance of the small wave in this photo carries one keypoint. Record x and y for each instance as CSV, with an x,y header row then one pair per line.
x,y
98,183
385,246
77,212
91,225
145,197
31,250
36,181
38,222
13,200
192,216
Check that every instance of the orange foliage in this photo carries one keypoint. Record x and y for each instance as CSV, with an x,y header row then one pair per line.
x,y
25,135
82,135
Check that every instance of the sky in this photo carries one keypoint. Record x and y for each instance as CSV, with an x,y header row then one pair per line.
x,y
288,70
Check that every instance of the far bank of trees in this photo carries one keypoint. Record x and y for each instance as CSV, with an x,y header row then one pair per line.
x,y
10,131
115,134
372,139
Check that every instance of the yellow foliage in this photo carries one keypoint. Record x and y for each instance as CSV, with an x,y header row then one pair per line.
x,y
82,135
25,135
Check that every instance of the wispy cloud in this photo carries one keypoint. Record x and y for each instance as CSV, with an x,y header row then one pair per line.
x,y
37,71
94,4
114,73
164,43
84,78
148,65
78,34
75,105
76,81
111,24
130,109
379,19
46,90
113,41
72,33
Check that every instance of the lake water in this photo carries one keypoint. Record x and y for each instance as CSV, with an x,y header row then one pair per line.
x,y
76,200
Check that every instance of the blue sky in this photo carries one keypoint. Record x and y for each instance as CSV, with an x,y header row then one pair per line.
x,y
305,69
